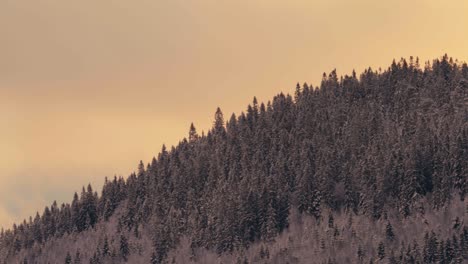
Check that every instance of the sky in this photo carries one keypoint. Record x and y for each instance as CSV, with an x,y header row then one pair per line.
x,y
88,88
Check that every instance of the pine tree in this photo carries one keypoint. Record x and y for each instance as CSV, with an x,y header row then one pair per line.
x,y
360,253
269,225
161,240
464,243
124,248
68,259
449,251
37,232
381,251
193,136
331,221
77,257
105,248
262,252
78,225
441,253
95,259
389,232
154,258
218,125
392,258
456,250
432,248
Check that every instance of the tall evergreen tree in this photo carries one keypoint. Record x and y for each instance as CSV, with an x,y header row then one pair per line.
x,y
124,248
68,259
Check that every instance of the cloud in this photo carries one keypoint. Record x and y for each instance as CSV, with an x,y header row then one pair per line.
x,y
31,191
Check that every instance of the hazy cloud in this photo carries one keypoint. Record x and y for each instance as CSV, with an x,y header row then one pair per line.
x,y
88,88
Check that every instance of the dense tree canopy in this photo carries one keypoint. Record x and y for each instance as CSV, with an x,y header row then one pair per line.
x,y
362,144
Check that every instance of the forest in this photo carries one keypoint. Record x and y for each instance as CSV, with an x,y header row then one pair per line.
x,y
368,168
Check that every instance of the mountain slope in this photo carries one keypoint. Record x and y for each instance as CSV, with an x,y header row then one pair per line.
x,y
386,149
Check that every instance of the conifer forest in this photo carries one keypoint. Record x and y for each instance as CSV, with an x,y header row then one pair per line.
x,y
368,167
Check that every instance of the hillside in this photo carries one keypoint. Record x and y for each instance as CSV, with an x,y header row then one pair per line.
x,y
362,169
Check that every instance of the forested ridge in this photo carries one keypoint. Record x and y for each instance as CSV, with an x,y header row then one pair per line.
x,y
387,147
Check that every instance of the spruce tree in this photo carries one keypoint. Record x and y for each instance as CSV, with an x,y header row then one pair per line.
x,y
389,232
105,248
77,259
218,125
193,136
360,253
124,248
381,251
68,259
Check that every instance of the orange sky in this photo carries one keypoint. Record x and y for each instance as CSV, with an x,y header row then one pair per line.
x,y
88,88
